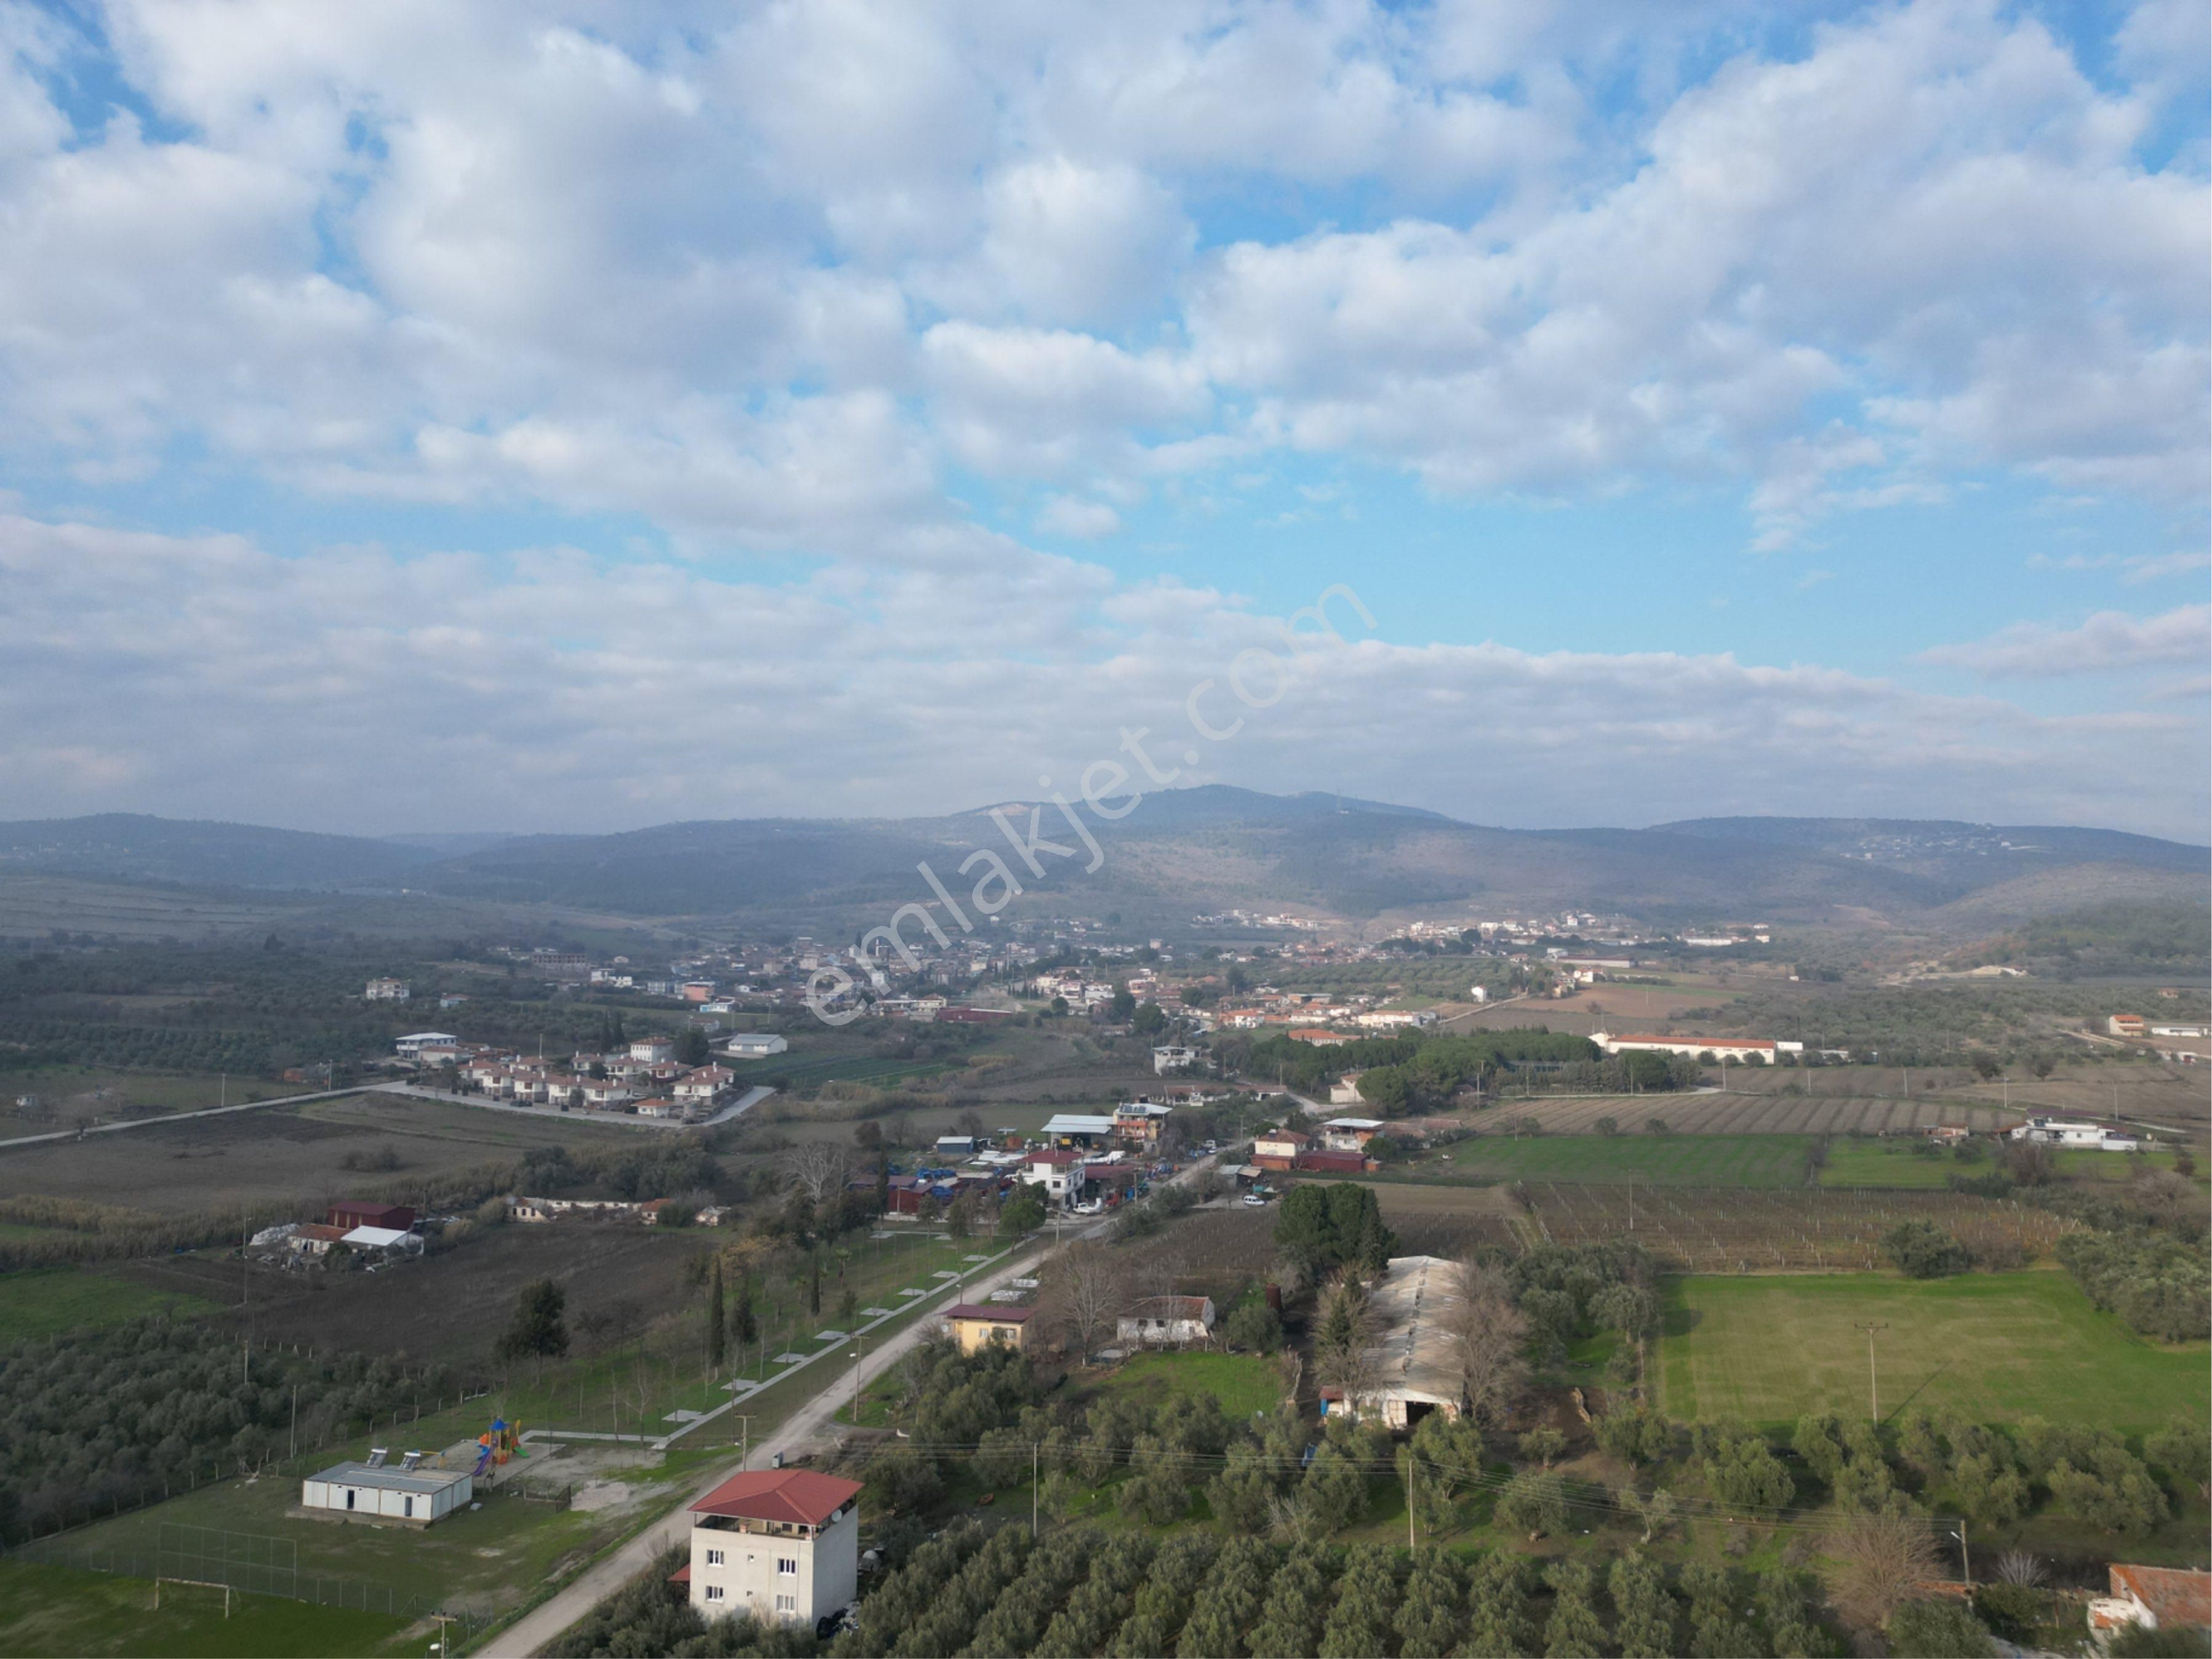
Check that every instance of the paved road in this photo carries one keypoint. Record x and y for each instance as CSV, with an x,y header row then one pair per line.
x,y
539,1627
745,1104
178,1117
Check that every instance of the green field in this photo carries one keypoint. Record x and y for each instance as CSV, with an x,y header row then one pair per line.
x,y
1900,1163
46,1610
1995,1347
1243,1383
37,1302
1666,1160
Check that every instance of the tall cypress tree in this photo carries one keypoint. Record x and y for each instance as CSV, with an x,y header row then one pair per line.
x,y
717,1332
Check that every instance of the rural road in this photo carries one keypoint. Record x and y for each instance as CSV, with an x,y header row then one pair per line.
x,y
544,1623
178,1117
738,1107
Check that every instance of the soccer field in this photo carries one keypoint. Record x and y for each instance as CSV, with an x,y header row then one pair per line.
x,y
1995,1347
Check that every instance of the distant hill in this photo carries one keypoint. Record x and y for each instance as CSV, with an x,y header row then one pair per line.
x,y
1182,853
190,853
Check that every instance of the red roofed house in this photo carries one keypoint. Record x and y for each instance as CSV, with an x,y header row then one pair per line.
x,y
1320,1035
2156,1598
1278,1149
782,1545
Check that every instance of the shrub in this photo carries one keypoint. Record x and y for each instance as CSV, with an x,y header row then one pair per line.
x,y
1938,1630
1921,1249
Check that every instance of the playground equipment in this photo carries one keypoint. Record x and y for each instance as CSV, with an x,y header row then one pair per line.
x,y
497,1443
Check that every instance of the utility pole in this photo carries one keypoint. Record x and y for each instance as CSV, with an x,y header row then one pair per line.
x,y
1874,1398
1410,1545
1033,1490
1965,1561
745,1444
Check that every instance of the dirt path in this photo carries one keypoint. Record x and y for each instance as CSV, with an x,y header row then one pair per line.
x,y
180,1117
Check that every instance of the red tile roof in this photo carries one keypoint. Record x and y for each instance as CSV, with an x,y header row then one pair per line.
x,y
682,1575
2176,1596
800,1497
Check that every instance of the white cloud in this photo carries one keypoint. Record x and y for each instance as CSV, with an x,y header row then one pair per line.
x,y
1063,516
2110,640
554,690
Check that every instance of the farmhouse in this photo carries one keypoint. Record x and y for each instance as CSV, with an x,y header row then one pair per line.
x,y
1350,1134
2063,1132
1173,1321
1320,1035
1278,1148
360,1212
975,1325
1345,1091
2126,1025
756,1045
1413,1369
780,1545
371,1491
2153,1598
1172,1057
388,990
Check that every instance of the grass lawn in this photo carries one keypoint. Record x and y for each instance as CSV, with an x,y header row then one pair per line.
x,y
1243,1383
1995,1347
37,1302
1900,1163
59,1610
1668,1160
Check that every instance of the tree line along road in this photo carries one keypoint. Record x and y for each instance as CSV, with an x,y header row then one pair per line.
x,y
544,1623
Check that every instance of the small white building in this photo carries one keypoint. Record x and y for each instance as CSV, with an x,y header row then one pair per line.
x,y
1169,1057
410,1047
410,1494
652,1050
1166,1321
756,1045
1350,1134
781,1545
388,990
2067,1131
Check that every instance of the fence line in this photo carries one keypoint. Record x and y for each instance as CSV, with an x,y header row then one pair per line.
x,y
247,1577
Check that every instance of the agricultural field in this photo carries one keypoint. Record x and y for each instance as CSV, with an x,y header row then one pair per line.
x,y
83,1094
265,1163
101,1615
1994,1347
1854,1163
40,1302
1827,1109
1816,1228
1709,1160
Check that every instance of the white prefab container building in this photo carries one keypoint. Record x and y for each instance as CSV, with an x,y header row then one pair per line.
x,y
419,1496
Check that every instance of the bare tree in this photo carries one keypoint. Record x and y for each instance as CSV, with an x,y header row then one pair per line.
x,y
1489,1337
816,1167
1088,1292
1882,1558
1157,1272
2019,1567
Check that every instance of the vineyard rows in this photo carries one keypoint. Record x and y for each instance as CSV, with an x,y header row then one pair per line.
x,y
1736,1229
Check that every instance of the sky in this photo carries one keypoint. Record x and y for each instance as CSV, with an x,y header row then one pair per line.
x,y
571,417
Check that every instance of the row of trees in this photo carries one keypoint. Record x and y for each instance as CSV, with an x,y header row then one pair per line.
x,y
100,1419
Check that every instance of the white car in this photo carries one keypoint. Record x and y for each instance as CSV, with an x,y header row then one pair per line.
x,y
1255,1200
1094,1207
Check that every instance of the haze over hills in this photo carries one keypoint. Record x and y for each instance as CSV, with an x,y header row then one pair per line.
x,y
1183,852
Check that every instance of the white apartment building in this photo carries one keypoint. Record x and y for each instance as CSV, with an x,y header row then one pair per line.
x,y
782,1545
